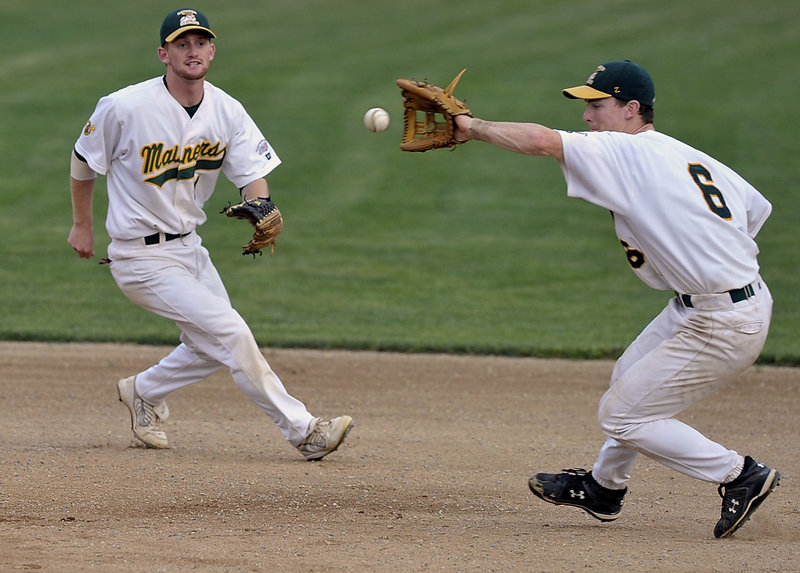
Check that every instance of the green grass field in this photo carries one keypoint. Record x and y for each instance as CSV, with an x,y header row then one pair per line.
x,y
476,250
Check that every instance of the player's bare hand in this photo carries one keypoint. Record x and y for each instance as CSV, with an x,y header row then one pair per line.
x,y
462,123
81,239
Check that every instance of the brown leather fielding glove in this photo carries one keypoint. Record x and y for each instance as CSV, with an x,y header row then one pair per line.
x,y
429,113
265,217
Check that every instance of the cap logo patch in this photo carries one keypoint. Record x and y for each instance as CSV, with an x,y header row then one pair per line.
x,y
599,69
188,18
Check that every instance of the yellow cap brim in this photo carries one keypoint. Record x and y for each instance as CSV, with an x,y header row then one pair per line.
x,y
184,29
584,92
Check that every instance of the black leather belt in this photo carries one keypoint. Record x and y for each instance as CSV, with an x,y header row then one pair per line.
x,y
737,295
155,238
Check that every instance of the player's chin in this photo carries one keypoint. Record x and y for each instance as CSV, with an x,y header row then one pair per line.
x,y
194,72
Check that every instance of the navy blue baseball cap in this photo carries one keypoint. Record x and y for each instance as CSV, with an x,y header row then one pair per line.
x,y
621,79
179,21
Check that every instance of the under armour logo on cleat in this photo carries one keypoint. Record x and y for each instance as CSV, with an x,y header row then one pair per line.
x,y
732,508
579,495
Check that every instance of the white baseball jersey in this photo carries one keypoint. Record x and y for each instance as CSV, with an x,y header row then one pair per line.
x,y
161,164
686,221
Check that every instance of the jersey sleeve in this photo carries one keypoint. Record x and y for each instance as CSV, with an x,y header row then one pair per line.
x,y
591,168
758,211
249,155
100,136
758,208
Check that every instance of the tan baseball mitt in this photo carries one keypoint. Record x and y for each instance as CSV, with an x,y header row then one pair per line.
x,y
265,217
429,113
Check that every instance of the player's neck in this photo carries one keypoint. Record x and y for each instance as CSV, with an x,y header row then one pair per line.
x,y
186,92
642,128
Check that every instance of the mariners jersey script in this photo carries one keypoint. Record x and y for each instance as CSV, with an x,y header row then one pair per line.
x,y
161,164
686,221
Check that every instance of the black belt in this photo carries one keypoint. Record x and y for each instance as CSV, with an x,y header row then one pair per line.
x,y
737,295
155,238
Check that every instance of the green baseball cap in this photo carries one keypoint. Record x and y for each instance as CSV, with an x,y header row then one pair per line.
x,y
621,79
179,21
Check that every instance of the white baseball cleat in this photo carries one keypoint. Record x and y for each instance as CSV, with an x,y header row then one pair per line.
x,y
145,417
325,437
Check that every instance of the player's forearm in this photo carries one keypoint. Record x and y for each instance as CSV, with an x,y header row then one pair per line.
x,y
82,193
256,189
81,236
527,138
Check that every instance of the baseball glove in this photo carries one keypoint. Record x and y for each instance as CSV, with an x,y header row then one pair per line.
x,y
434,127
265,217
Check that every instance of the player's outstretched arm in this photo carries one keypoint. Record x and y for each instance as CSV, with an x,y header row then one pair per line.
x,y
526,138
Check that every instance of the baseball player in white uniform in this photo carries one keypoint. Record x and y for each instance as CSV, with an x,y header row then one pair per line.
x,y
687,224
162,144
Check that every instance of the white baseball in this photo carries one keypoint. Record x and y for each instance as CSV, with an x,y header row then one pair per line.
x,y
376,119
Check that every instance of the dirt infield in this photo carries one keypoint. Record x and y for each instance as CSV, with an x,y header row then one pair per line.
x,y
433,477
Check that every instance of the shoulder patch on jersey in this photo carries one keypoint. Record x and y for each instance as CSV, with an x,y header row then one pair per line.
x,y
88,128
263,149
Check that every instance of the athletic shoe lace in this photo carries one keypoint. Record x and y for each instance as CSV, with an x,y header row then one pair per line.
x,y
147,416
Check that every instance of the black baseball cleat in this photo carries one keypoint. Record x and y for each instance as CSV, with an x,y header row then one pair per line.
x,y
578,488
742,496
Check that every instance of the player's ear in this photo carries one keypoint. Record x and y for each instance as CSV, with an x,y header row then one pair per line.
x,y
162,54
632,109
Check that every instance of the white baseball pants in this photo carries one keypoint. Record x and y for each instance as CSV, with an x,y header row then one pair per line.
x,y
177,280
682,356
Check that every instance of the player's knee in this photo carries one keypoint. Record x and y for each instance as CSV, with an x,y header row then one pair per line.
x,y
611,416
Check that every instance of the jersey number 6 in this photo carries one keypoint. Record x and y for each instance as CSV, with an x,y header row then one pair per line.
x,y
712,195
